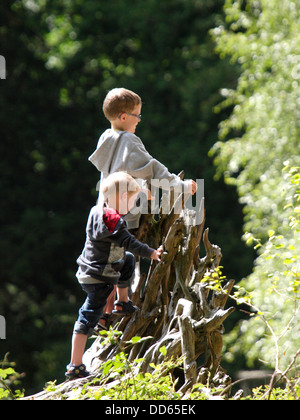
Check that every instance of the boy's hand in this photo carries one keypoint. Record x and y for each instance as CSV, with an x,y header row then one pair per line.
x,y
193,187
157,254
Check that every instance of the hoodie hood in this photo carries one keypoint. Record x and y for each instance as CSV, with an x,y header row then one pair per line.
x,y
103,155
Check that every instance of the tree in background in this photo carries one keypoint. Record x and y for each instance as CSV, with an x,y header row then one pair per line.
x,y
261,158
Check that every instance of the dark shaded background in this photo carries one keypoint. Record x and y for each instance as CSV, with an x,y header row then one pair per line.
x,y
62,57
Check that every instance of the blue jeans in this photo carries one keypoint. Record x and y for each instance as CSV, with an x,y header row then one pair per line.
x,y
97,295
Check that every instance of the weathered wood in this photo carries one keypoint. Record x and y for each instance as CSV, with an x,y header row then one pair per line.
x,y
188,349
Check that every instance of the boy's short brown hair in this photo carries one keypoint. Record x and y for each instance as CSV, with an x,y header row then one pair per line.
x,y
120,100
118,183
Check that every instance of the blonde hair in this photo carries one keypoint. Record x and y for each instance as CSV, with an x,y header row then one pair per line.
x,y
120,100
119,183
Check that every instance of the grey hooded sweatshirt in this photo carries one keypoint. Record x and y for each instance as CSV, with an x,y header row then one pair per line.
x,y
124,151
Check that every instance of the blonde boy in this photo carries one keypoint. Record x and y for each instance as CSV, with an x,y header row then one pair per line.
x,y
106,260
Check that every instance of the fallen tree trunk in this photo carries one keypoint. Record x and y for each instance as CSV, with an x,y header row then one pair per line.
x,y
177,307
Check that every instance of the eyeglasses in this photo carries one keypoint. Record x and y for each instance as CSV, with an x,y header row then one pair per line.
x,y
133,115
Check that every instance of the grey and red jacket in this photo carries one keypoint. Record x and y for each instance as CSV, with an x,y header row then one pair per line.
x,y
107,239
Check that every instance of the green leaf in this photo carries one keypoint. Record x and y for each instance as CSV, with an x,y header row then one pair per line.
x,y
163,350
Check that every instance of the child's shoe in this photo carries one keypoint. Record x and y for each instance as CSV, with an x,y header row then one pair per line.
x,y
127,308
76,372
104,325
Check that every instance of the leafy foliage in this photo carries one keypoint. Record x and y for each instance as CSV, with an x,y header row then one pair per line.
x,y
9,380
275,289
120,379
289,393
262,136
264,38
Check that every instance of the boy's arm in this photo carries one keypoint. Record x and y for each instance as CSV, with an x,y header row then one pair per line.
x,y
123,238
120,235
142,165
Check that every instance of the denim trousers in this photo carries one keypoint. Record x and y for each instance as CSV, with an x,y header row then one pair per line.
x,y
97,295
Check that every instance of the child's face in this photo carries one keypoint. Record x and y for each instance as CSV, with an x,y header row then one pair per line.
x,y
131,120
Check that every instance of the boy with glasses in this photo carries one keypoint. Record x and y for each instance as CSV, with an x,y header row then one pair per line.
x,y
119,149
